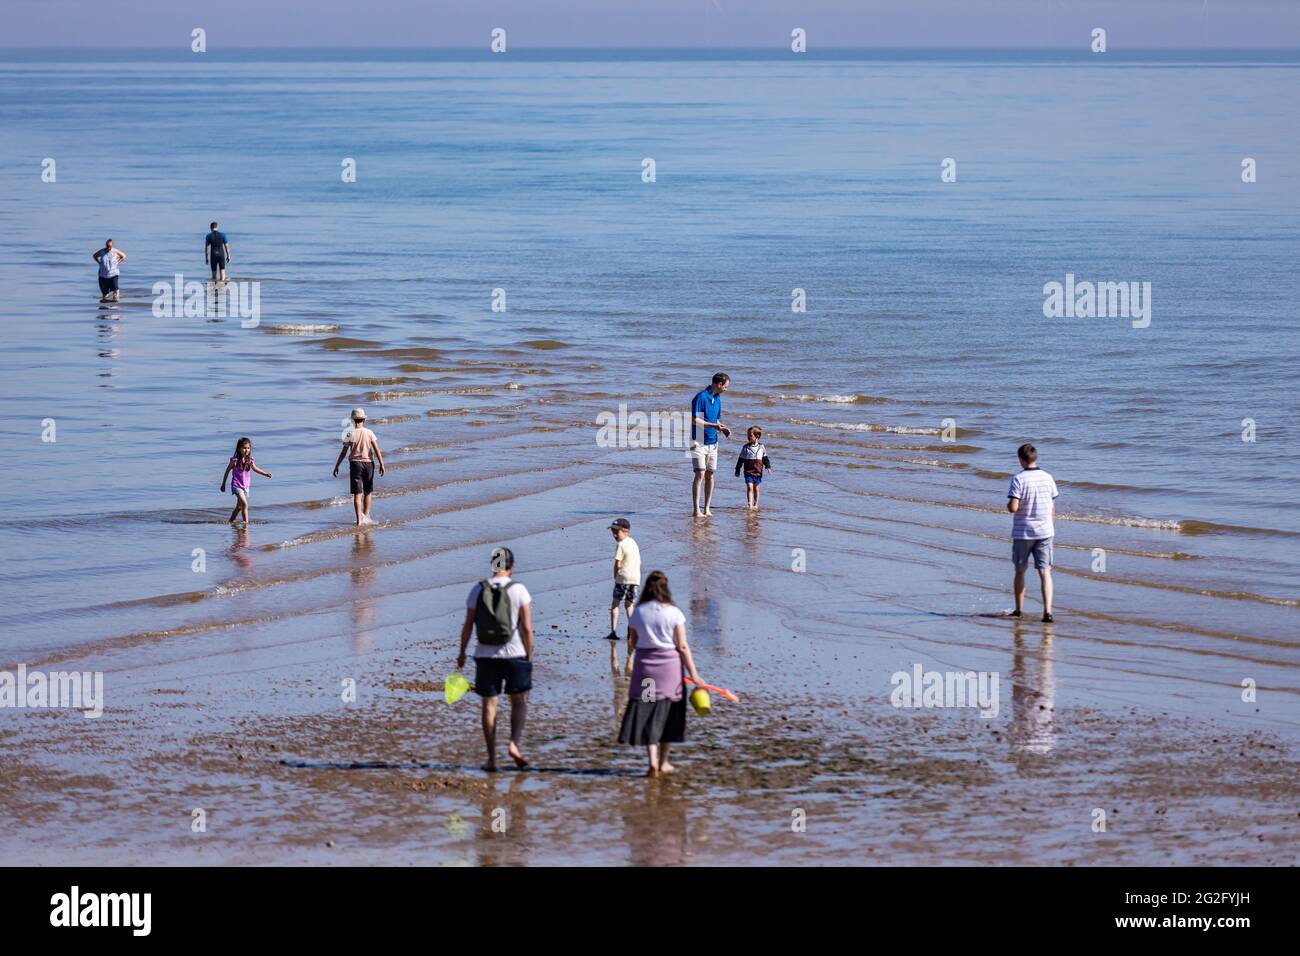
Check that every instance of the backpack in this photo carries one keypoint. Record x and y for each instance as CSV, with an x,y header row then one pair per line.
x,y
493,624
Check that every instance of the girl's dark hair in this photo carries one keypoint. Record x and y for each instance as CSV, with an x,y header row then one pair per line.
x,y
250,449
656,589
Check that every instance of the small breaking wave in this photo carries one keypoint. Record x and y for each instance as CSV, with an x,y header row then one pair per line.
x,y
868,427
1125,521
300,329
852,399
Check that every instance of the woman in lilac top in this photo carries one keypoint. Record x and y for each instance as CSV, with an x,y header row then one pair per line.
x,y
656,710
240,472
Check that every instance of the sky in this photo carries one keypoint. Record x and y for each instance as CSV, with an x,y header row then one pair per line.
x,y
651,23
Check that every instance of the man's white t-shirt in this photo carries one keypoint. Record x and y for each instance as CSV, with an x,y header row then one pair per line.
x,y
519,598
655,623
108,263
1035,489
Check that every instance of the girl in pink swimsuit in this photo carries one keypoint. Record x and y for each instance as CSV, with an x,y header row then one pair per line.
x,y
240,472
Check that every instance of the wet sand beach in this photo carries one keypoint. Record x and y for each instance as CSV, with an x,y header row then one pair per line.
x,y
237,708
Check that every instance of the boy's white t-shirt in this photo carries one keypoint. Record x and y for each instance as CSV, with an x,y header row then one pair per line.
x,y
628,554
655,623
1033,519
519,599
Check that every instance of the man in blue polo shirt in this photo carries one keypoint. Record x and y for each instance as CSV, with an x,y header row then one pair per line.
x,y
706,413
216,251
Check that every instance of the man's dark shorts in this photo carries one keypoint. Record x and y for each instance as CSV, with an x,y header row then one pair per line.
x,y
107,284
218,263
492,673
1039,548
362,475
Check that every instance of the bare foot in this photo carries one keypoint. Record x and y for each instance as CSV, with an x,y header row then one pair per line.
x,y
517,757
665,768
652,772
696,514
490,766
709,513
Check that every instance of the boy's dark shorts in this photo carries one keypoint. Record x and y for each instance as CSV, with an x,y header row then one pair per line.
x,y
491,673
625,593
107,284
362,475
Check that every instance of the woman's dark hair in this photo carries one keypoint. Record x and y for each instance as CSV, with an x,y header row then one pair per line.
x,y
656,589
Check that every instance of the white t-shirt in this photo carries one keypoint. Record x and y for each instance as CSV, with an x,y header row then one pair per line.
x,y
519,598
108,263
655,623
1035,489
628,554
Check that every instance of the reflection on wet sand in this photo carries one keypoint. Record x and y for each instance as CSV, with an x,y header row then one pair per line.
x,y
655,828
619,681
753,536
363,573
501,832
1033,694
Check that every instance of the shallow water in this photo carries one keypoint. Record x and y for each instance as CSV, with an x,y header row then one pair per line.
x,y
924,304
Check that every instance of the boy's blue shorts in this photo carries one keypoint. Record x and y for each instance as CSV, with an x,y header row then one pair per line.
x,y
753,479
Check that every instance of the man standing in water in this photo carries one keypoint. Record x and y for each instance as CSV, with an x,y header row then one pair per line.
x,y
499,612
706,410
216,251
1030,499
109,259
359,444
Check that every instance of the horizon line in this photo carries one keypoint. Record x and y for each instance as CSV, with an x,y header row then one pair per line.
x,y
695,48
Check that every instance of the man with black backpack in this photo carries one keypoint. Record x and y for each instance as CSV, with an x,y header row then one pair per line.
x,y
499,613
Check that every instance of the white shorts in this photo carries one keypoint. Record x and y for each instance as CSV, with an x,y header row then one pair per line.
x,y
704,457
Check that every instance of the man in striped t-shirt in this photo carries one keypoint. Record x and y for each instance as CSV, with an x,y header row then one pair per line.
x,y
1030,499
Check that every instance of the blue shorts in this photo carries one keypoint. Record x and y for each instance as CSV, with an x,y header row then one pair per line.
x,y
753,479
491,673
235,491
1040,548
626,593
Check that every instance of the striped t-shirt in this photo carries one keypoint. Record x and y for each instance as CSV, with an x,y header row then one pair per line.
x,y
1035,489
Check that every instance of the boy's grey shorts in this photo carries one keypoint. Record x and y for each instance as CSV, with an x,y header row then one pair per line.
x,y
1040,548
